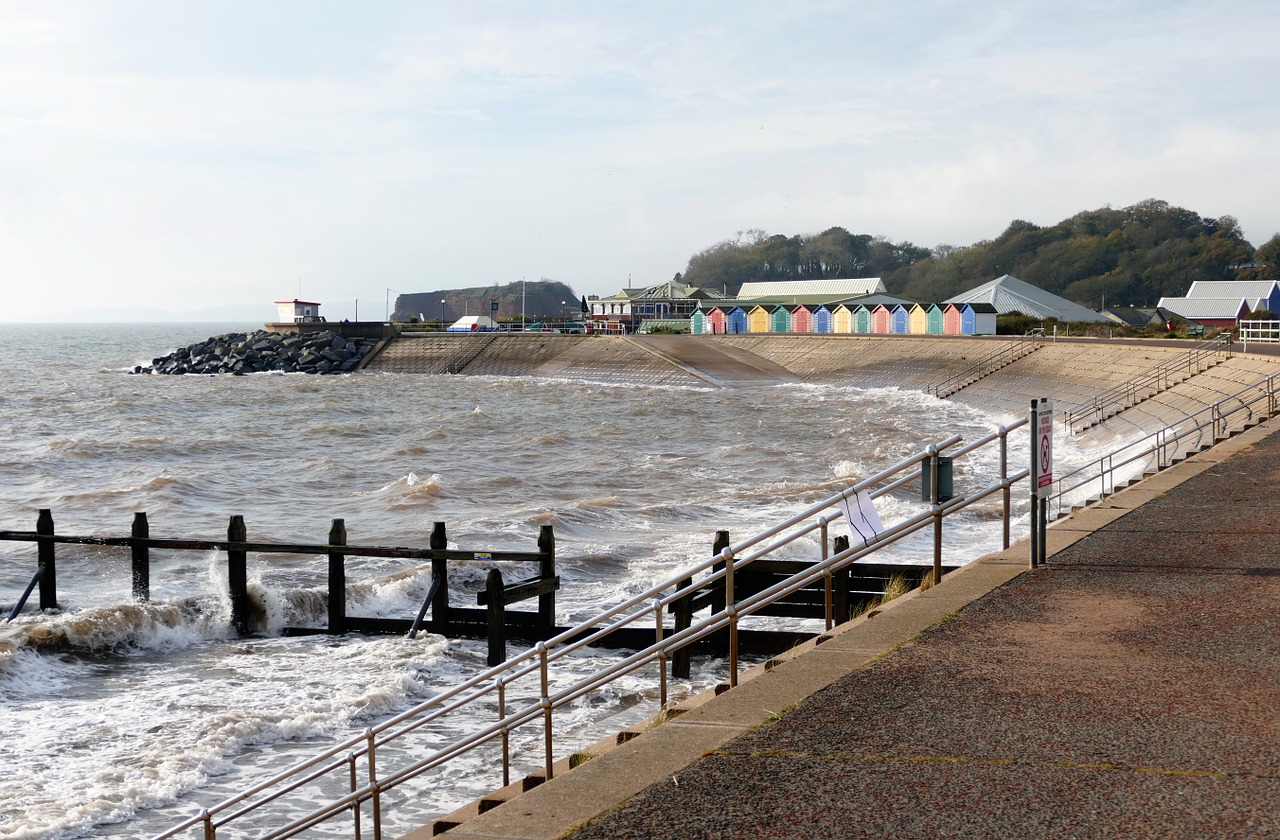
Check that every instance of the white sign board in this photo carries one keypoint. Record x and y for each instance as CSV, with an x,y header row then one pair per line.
x,y
1042,448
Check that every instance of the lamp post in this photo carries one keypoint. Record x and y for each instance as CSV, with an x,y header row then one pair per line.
x,y
564,314
357,318
387,316
442,315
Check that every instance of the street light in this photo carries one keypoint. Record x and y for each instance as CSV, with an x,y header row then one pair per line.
x,y
442,315
357,309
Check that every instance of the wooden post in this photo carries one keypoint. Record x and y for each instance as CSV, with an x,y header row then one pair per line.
x,y
840,583
546,571
496,615
681,619
440,571
238,576
721,637
141,557
45,559
337,578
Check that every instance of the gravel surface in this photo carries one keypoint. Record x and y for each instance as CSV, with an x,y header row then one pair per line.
x,y
1131,688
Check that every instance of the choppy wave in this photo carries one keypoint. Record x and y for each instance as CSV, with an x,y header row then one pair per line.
x,y
635,481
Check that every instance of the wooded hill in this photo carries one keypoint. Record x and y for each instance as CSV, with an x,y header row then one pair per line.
x,y
1127,257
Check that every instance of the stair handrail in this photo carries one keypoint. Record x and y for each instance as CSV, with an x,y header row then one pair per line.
x,y
1135,390
1159,449
471,347
982,367
654,601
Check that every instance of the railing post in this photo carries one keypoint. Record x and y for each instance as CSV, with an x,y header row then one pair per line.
x,y
46,562
662,654
828,595
547,571
440,571
372,743
238,576
545,702
141,556
506,733
337,578
937,514
1004,481
496,616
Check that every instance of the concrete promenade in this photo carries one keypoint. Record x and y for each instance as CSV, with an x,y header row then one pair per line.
x,y
1129,688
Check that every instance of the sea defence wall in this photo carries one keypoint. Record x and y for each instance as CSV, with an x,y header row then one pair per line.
x,y
1071,371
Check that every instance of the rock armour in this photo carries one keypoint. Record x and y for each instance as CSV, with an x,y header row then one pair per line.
x,y
265,352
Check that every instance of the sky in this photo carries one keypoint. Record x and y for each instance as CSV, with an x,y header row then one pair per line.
x,y
199,160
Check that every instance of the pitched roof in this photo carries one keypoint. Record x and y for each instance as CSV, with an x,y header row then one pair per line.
x,y
1209,308
1222,289
1009,294
805,288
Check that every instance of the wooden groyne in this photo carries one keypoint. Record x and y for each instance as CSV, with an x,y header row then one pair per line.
x,y
493,618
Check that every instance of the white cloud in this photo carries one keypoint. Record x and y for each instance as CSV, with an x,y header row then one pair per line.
x,y
220,153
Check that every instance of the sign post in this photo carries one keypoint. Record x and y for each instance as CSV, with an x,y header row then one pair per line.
x,y
1041,475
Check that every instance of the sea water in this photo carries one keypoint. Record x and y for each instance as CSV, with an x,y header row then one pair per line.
x,y
141,713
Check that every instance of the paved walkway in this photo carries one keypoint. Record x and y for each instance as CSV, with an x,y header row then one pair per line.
x,y
1130,688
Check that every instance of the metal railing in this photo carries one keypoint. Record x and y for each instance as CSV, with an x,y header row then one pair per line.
x,y
472,347
1147,384
360,758
1267,332
1008,353
1231,414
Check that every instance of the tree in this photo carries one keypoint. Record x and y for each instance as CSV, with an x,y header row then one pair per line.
x,y
1267,259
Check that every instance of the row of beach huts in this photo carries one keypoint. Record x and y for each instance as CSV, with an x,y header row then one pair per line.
x,y
850,318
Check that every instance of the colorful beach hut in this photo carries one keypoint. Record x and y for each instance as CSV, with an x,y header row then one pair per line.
x,y
697,322
881,320
951,319
900,318
977,319
822,320
736,320
716,320
758,319
780,319
862,319
934,312
842,319
801,319
917,319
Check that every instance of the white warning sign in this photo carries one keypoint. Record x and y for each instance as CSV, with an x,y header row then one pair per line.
x,y
1042,447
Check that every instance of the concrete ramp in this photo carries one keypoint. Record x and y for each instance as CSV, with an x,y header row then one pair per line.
x,y
713,361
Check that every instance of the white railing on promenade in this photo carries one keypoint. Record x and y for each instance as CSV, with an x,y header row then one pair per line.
x,y
1098,479
1267,332
359,766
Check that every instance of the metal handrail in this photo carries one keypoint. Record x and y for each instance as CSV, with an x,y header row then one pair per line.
x,y
1157,451
987,364
1146,384
649,605
1267,332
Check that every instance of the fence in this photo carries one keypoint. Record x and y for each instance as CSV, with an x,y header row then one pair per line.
x,y
359,758
493,622
1147,384
1007,354
1229,415
1266,332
